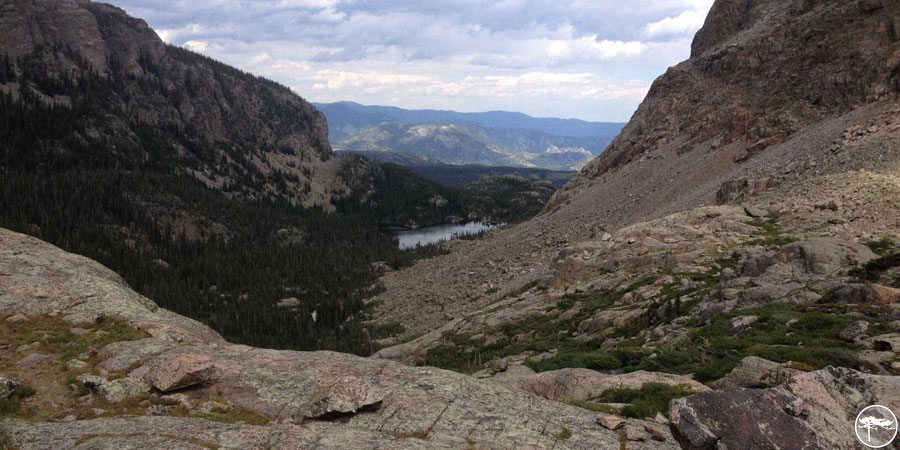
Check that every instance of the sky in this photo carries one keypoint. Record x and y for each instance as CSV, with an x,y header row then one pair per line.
x,y
585,59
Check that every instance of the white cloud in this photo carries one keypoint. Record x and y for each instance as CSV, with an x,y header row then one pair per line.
x,y
592,59
688,22
197,46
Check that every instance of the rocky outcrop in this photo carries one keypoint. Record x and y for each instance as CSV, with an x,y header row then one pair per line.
x,y
569,385
756,372
733,96
188,100
330,399
811,411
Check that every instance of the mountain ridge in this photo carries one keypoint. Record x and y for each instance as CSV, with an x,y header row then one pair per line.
x,y
494,138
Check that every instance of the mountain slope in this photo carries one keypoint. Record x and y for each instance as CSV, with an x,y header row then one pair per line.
x,y
139,100
758,73
207,188
449,144
709,131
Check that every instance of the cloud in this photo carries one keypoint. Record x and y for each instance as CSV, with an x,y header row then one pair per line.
x,y
591,59
688,22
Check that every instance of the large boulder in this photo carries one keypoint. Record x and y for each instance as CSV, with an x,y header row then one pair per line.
x,y
755,372
568,385
813,410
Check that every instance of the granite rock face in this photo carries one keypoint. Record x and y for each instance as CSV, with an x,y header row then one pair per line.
x,y
736,92
811,411
332,399
265,125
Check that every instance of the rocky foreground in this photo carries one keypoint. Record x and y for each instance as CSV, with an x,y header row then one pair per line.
x,y
89,363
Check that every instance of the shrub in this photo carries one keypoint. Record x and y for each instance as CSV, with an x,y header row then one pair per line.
x,y
650,399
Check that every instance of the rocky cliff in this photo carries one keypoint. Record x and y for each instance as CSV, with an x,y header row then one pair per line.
x,y
147,101
758,73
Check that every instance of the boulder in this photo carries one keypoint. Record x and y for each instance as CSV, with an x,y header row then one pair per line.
x,y
755,372
887,343
115,390
855,331
568,385
825,256
9,385
810,411
180,371
345,396
35,360
610,422
864,294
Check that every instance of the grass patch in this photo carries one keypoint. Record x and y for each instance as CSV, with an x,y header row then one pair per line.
x,y
462,354
882,247
11,401
771,234
872,270
712,351
54,334
563,435
620,358
648,401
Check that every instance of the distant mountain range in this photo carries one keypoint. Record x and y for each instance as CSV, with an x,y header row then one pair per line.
x,y
496,138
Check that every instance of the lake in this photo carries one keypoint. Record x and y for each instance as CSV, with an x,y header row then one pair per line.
x,y
440,233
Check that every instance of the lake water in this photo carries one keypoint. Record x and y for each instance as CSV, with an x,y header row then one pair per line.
x,y
440,233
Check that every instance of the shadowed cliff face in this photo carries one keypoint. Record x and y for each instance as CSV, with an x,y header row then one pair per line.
x,y
219,124
759,72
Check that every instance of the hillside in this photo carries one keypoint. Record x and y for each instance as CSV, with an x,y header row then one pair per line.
x,y
137,101
742,231
497,138
676,154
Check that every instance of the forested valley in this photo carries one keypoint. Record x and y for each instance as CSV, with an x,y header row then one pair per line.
x,y
217,255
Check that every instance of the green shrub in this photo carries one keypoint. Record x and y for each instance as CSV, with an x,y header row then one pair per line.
x,y
650,399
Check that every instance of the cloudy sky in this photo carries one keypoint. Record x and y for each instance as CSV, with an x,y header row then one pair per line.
x,y
587,59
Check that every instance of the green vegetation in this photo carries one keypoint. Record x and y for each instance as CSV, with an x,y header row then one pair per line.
x,y
563,434
771,233
463,354
873,270
222,256
648,401
388,193
11,401
713,350
55,335
882,247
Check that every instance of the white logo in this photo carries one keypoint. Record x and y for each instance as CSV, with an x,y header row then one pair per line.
x,y
876,426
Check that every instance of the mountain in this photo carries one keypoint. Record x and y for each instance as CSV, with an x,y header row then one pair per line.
x,y
496,138
213,191
742,230
137,100
350,112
